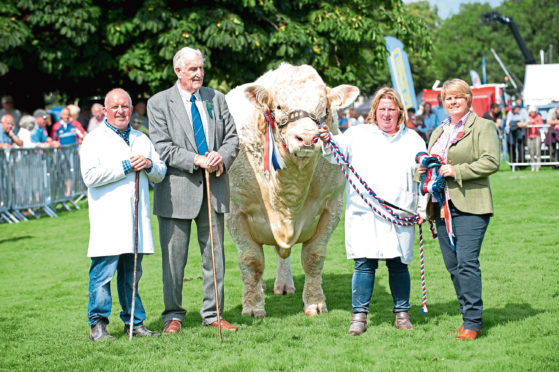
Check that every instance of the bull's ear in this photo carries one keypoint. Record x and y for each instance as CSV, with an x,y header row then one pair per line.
x,y
343,96
258,96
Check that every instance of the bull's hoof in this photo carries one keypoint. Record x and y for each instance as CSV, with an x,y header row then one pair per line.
x,y
315,309
255,313
283,289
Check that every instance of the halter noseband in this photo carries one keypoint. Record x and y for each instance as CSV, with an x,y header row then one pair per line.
x,y
301,114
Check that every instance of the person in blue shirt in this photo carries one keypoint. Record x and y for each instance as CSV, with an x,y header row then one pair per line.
x,y
440,113
38,134
8,137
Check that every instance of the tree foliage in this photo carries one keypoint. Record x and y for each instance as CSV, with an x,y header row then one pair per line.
x,y
85,47
463,39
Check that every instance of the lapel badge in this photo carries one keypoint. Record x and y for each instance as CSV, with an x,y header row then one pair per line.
x,y
209,106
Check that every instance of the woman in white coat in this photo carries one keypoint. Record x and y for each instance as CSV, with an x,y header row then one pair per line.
x,y
110,157
383,153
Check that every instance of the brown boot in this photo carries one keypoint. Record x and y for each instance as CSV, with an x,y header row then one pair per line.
x,y
99,331
358,324
403,321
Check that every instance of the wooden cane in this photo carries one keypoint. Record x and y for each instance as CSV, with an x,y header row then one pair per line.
x,y
136,200
208,197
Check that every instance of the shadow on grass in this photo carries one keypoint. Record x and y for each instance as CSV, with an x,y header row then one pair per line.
x,y
16,238
337,289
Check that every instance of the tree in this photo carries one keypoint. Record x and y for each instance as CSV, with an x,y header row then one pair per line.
x,y
463,39
83,48
420,61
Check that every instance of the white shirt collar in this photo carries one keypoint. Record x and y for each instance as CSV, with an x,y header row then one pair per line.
x,y
186,95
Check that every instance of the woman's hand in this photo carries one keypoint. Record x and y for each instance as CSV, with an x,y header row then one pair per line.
x,y
324,133
447,170
422,169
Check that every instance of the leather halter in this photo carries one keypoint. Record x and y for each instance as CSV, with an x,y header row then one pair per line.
x,y
300,114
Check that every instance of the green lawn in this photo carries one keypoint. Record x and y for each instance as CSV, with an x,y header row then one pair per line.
x,y
43,303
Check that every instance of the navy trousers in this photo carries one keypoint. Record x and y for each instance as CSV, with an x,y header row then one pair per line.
x,y
463,263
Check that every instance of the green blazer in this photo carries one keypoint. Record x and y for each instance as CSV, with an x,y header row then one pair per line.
x,y
475,156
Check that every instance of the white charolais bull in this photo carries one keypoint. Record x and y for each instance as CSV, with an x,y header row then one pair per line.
x,y
300,203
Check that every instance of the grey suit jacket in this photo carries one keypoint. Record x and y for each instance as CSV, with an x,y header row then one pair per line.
x,y
181,193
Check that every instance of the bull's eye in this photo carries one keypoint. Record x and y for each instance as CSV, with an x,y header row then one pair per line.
x,y
278,107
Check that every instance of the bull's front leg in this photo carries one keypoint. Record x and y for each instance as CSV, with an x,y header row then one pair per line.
x,y
312,257
251,263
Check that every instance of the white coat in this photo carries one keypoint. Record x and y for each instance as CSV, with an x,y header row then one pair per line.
x,y
111,192
387,164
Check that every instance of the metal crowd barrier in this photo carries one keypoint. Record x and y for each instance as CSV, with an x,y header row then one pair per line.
x,y
549,155
35,181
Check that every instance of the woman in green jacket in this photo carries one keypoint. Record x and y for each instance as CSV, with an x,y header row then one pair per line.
x,y
469,147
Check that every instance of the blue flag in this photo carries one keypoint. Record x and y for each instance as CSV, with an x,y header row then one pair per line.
x,y
400,71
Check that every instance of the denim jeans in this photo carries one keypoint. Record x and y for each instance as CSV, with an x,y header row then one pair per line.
x,y
363,282
101,272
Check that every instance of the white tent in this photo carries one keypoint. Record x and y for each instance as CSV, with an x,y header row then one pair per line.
x,y
541,84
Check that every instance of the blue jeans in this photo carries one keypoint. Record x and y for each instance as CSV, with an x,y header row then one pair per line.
x,y
101,272
363,282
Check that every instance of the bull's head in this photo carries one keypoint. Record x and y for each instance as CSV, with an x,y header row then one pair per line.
x,y
298,101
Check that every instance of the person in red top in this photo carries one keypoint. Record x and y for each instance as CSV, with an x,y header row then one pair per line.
x,y
534,139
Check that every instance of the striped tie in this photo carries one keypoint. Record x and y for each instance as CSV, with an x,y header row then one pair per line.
x,y
199,135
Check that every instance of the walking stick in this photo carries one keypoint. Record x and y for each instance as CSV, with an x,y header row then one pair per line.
x,y
137,198
208,197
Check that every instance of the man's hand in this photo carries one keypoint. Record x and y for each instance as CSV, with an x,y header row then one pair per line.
x,y
139,162
212,161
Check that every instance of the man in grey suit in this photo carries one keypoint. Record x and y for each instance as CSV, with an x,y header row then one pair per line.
x,y
192,130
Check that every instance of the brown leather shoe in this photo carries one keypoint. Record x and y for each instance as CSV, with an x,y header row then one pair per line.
x,y
224,325
358,324
172,326
403,321
468,334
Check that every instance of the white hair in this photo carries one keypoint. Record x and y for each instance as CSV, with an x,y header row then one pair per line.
x,y
27,122
181,55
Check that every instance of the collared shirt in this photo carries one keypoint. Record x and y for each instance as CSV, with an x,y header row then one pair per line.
x,y
185,97
124,134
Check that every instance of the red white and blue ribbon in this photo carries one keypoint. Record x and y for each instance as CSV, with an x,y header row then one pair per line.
x,y
432,182
272,157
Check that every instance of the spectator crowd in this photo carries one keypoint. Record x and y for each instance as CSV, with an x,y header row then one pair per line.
x,y
68,126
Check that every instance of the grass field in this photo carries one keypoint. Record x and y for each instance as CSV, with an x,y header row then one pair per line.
x,y
43,303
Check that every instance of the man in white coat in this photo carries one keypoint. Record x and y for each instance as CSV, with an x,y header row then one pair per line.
x,y
110,157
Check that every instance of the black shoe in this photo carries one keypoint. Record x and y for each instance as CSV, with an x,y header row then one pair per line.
x,y
140,331
99,332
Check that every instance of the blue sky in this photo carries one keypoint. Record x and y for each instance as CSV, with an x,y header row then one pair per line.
x,y
450,7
